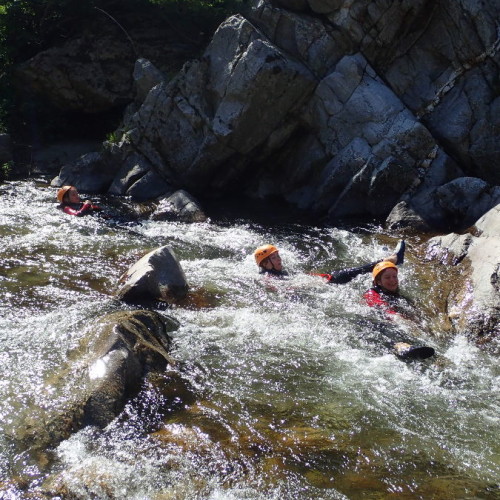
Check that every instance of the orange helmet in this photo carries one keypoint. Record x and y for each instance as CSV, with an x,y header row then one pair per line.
x,y
263,252
61,192
381,266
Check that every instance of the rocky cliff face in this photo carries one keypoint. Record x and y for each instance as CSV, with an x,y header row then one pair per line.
x,y
341,107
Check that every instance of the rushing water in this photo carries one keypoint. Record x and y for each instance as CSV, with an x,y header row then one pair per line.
x,y
292,396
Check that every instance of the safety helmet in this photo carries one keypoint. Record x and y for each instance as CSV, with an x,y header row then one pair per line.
x,y
263,252
382,266
61,192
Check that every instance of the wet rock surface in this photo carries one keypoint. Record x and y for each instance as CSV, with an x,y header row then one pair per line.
x,y
107,369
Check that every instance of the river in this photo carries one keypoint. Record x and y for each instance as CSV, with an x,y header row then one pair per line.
x,y
291,395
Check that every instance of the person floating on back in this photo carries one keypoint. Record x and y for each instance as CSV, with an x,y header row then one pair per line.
x,y
71,203
269,262
384,295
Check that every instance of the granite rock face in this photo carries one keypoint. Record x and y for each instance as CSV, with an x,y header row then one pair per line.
x,y
342,108
474,305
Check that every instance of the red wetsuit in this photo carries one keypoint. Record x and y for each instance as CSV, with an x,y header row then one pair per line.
x,y
376,297
388,302
79,209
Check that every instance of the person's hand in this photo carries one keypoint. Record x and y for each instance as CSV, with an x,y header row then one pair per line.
x,y
87,205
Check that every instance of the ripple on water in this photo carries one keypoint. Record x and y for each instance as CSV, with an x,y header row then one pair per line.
x,y
294,396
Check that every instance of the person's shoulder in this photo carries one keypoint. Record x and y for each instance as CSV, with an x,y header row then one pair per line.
x,y
273,273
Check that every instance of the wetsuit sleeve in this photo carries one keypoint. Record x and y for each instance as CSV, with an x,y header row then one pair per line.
x,y
83,211
373,299
342,276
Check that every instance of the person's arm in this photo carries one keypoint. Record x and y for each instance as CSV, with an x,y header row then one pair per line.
x,y
342,276
86,208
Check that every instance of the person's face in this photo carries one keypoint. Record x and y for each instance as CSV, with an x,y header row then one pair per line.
x,y
72,196
273,262
388,279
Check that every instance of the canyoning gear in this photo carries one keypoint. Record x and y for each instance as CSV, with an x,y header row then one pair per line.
x,y
390,303
79,209
263,252
407,351
273,272
343,276
376,297
382,266
61,192
400,252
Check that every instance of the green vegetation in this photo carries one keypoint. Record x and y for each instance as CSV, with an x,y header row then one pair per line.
x,y
31,26
5,170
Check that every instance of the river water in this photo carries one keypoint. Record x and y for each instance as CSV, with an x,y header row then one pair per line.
x,y
291,395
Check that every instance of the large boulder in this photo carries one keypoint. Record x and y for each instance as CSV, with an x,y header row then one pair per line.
x,y
157,276
451,206
91,173
179,206
362,149
73,82
474,302
236,103
101,374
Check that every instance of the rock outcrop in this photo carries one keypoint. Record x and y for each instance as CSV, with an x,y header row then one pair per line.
x,y
343,108
474,304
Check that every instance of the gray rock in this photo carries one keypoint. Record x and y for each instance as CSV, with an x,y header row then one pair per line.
x,y
466,199
150,186
474,302
91,173
49,159
444,72
133,343
404,217
279,101
206,125
375,145
325,6
132,169
146,76
296,5
105,370
157,276
308,39
75,83
180,206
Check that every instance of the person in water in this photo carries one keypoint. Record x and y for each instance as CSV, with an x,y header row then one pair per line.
x,y
71,203
385,296
269,262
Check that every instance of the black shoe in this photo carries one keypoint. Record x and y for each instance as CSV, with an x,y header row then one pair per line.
x,y
408,351
400,252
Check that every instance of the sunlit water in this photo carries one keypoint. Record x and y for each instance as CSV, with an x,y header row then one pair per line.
x,y
293,397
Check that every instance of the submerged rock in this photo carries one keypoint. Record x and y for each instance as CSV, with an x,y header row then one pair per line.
x,y
100,375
